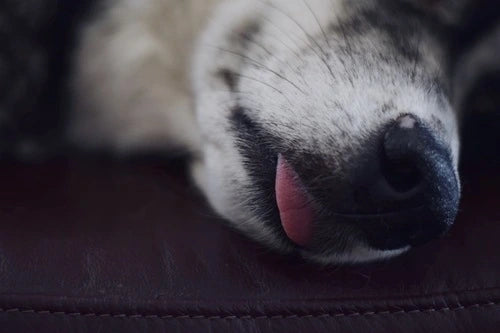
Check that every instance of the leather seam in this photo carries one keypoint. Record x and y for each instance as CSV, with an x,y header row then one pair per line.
x,y
253,317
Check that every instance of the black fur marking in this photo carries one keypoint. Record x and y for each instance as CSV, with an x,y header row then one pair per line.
x,y
387,107
406,29
229,77
402,22
260,151
260,161
402,35
249,33
241,41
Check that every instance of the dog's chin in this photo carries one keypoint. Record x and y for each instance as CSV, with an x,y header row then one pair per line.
x,y
359,254
354,252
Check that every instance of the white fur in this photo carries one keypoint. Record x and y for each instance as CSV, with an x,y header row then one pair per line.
x,y
135,88
131,75
359,254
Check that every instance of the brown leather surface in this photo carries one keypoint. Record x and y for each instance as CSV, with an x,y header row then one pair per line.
x,y
130,247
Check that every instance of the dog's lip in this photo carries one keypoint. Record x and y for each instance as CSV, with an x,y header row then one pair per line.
x,y
295,210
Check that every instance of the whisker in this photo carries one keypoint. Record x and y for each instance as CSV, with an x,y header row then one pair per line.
x,y
292,19
288,47
265,84
253,41
325,54
348,46
317,21
270,54
283,33
259,64
260,81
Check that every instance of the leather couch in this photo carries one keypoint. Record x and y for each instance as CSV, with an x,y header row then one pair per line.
x,y
110,246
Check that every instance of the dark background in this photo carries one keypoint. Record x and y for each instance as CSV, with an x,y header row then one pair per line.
x,y
36,39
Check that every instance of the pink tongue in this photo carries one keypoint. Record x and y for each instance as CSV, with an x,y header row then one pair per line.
x,y
295,211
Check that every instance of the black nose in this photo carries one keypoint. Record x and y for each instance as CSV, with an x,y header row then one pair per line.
x,y
415,187
399,157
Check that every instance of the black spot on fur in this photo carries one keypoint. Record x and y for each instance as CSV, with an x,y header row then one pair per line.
x,y
240,43
249,33
387,107
229,78
243,38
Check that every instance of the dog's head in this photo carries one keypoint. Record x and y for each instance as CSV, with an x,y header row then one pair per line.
x,y
327,127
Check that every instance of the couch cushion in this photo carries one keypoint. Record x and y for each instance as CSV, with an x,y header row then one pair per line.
x,y
131,247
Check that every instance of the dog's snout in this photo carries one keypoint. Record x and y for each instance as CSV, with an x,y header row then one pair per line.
x,y
401,190
416,181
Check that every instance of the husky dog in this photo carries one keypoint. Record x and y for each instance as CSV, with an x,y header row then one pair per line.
x,y
319,127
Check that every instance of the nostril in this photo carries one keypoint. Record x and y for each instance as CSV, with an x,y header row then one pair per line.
x,y
401,174
399,156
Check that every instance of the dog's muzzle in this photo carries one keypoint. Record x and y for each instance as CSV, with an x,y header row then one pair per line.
x,y
401,191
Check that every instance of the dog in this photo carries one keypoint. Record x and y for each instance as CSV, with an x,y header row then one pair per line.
x,y
327,128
